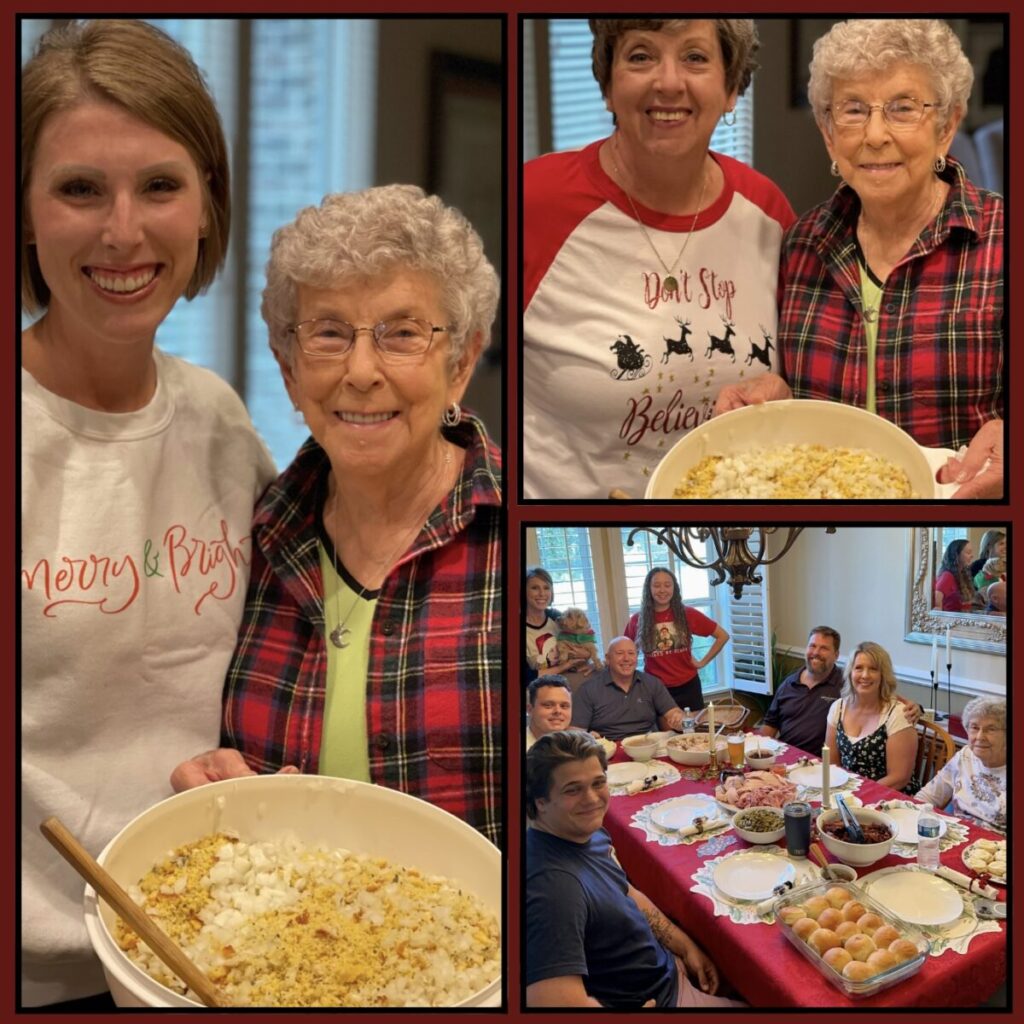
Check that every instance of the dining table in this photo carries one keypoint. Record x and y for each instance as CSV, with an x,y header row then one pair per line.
x,y
966,963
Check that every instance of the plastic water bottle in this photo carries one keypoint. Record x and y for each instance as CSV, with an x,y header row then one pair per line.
x,y
927,839
687,720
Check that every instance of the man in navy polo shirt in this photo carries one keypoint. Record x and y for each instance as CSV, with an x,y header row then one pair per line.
x,y
592,939
620,701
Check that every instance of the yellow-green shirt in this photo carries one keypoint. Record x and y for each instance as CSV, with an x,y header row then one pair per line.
x,y
343,750
871,297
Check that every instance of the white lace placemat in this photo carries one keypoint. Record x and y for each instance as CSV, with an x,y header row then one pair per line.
x,y
671,837
955,834
812,794
745,911
656,775
956,935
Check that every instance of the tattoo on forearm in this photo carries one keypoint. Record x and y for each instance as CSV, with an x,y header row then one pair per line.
x,y
661,926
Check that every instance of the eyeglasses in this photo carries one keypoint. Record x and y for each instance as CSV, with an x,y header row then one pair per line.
x,y
900,114
987,730
404,336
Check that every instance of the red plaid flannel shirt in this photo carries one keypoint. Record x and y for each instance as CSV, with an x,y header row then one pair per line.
x,y
939,358
434,679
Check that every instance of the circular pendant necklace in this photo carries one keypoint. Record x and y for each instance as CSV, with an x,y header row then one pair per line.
x,y
670,283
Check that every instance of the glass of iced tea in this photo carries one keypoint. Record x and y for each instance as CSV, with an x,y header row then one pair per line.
x,y
736,742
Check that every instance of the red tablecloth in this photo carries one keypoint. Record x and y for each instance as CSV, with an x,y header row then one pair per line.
x,y
757,959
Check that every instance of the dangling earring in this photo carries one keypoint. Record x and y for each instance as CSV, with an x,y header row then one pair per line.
x,y
452,415
725,118
834,169
940,164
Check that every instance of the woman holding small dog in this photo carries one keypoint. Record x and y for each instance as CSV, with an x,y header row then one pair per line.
x,y
664,629
541,625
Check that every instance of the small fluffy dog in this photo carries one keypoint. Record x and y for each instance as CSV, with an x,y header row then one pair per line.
x,y
576,638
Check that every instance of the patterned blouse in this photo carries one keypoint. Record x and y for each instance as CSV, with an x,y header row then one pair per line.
x,y
976,791
434,678
866,755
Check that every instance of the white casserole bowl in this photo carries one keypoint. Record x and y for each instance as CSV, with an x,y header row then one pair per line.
x,y
801,421
695,758
759,838
339,812
640,748
858,854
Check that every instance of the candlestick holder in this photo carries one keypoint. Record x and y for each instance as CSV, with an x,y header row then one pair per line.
x,y
940,716
949,689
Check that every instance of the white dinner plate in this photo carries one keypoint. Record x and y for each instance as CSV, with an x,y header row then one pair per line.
x,y
627,771
906,818
763,743
917,896
752,874
680,811
809,775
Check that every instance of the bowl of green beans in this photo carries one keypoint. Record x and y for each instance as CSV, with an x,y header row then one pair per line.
x,y
759,825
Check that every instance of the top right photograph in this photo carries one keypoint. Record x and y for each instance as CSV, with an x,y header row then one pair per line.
x,y
763,259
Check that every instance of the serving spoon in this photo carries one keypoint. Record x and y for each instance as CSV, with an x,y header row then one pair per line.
x,y
851,823
133,915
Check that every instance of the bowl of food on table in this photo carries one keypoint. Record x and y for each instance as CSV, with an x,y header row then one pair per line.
x,y
759,825
878,832
610,746
694,748
755,789
642,747
252,875
760,757
798,449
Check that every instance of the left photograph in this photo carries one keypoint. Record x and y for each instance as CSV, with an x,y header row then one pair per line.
x,y
261,668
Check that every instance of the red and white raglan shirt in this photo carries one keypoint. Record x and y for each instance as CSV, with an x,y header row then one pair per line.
x,y
617,365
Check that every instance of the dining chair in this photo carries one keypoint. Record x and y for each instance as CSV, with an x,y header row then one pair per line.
x,y
934,748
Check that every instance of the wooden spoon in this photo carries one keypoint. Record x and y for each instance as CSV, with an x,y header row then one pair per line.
x,y
168,951
819,855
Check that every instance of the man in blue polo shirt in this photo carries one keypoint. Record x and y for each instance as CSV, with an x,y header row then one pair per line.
x,y
592,939
620,701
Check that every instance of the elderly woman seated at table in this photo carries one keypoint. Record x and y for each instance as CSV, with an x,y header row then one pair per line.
x,y
371,642
867,725
973,782
892,289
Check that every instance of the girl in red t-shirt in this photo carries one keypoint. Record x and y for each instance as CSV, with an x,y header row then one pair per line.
x,y
664,629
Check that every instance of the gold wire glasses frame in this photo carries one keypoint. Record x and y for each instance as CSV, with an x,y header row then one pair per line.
x,y
903,113
403,336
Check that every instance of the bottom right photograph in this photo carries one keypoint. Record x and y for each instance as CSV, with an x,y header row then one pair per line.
x,y
764,766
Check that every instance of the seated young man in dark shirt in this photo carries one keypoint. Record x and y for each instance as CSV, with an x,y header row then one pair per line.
x,y
591,938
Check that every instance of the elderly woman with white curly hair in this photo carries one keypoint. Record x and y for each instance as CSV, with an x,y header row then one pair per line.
x,y
973,782
892,290
371,642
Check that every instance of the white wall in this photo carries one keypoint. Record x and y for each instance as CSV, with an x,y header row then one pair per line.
x,y
856,580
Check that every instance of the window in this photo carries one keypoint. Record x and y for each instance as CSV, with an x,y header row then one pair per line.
x,y
578,113
595,569
565,552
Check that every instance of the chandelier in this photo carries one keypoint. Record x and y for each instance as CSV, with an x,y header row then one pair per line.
x,y
733,558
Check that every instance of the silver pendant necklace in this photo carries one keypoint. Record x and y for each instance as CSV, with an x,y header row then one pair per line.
x,y
670,282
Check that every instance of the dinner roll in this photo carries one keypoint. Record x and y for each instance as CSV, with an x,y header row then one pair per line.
x,y
869,923
853,910
860,947
903,949
790,915
805,928
846,929
822,940
882,960
814,905
857,971
837,958
837,896
830,918
885,935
